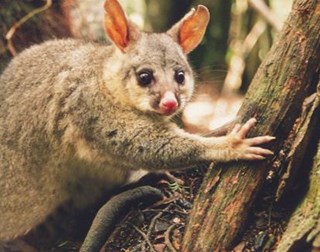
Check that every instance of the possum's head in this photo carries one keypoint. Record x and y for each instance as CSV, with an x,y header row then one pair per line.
x,y
154,73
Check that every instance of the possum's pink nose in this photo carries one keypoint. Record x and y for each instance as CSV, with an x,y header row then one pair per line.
x,y
169,103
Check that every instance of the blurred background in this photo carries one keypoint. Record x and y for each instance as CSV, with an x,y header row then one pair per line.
x,y
239,35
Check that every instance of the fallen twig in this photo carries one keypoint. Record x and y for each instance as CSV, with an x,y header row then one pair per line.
x,y
167,238
152,225
145,237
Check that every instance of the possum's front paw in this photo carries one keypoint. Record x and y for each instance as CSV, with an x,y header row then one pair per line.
x,y
246,148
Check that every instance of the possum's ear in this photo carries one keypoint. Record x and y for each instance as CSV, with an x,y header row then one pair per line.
x,y
118,28
189,31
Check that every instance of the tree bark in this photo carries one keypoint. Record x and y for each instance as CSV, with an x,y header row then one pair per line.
x,y
285,78
303,230
305,135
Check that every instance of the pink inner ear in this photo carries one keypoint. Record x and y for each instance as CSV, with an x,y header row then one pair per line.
x,y
116,24
193,28
119,36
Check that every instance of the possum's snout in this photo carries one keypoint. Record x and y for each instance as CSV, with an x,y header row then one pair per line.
x,y
168,103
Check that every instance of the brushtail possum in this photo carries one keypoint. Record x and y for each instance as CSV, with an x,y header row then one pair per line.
x,y
80,117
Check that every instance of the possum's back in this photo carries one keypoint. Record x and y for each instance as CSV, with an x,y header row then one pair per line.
x,y
37,82
34,88
40,64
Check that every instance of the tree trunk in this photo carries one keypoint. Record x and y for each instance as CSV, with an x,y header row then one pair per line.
x,y
303,229
285,78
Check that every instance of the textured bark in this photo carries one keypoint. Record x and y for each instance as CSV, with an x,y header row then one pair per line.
x,y
304,226
302,138
285,78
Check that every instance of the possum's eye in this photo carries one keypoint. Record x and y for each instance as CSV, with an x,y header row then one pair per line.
x,y
179,77
145,77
